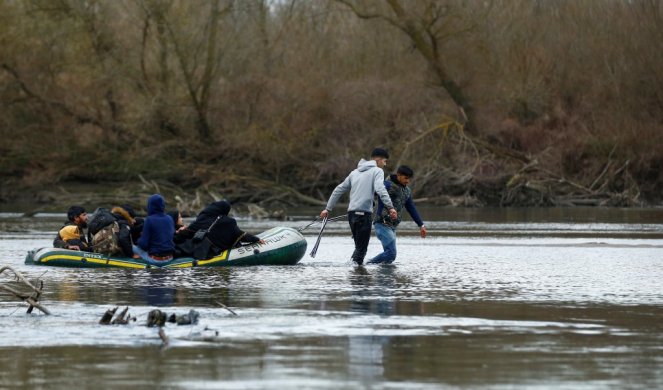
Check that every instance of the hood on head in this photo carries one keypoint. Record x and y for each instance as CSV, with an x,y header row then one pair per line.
x,y
215,209
221,207
156,204
364,165
70,232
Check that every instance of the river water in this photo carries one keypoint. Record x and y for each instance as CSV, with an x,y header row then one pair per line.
x,y
520,298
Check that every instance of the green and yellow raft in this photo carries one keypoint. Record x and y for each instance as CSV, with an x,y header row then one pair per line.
x,y
283,246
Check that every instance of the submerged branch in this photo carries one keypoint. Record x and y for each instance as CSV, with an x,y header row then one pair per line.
x,y
32,299
225,307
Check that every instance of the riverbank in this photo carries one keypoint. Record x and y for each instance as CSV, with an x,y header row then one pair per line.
x,y
268,200
58,197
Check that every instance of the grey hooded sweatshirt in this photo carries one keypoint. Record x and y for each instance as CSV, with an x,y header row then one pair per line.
x,y
363,182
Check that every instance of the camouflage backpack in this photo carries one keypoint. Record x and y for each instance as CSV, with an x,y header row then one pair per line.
x,y
105,240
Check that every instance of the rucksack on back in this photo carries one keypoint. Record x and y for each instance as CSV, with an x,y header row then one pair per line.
x,y
106,240
100,218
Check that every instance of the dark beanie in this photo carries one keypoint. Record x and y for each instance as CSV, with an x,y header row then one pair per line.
x,y
74,211
379,152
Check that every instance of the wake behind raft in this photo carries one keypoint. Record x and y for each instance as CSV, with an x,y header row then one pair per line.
x,y
283,246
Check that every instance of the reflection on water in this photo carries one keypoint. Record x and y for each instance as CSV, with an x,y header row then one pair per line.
x,y
552,303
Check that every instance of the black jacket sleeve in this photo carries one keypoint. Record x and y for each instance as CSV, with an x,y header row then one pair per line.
x,y
124,240
183,235
249,238
59,242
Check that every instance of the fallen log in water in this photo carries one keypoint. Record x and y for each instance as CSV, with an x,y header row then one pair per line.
x,y
156,318
31,298
108,316
123,318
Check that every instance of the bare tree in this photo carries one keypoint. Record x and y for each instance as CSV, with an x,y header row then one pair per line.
x,y
199,81
429,24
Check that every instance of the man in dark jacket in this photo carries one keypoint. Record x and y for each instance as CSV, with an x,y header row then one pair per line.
x,y
125,222
222,230
72,235
385,224
156,242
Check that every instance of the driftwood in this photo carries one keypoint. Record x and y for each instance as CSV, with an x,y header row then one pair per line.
x,y
530,184
524,182
225,307
534,185
32,297
122,318
262,188
159,318
156,318
163,337
108,316
191,318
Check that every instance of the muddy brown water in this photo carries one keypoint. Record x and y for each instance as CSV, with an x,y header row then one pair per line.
x,y
523,298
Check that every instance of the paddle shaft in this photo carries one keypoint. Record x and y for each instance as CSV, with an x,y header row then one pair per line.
x,y
314,251
309,225
301,229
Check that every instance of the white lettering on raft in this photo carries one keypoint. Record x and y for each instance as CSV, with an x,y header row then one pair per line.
x,y
270,240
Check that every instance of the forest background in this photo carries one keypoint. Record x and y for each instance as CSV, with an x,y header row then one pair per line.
x,y
493,103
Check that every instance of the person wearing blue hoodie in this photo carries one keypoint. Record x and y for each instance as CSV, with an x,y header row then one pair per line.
x,y
155,244
363,183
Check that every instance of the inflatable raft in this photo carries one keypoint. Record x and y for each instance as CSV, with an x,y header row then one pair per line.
x,y
283,246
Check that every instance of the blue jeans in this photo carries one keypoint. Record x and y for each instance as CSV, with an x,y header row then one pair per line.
x,y
146,256
387,236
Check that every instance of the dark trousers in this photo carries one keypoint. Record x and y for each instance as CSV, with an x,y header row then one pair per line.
x,y
360,225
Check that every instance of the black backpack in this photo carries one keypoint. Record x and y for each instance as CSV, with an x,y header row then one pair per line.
x,y
99,219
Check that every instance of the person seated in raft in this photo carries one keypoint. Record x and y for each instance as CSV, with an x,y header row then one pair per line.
x,y
137,225
222,231
125,221
72,234
177,219
155,244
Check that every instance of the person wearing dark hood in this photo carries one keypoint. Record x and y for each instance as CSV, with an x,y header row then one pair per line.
x,y
72,235
363,183
155,244
221,230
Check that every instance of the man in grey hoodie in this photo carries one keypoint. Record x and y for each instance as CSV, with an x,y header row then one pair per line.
x,y
363,183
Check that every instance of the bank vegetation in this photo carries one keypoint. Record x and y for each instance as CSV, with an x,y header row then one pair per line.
x,y
507,103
